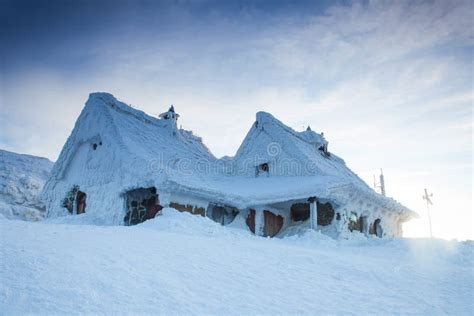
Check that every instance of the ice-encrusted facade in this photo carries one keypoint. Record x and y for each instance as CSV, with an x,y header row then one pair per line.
x,y
124,165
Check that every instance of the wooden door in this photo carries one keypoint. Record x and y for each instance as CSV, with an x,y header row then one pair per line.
x,y
273,223
250,220
80,202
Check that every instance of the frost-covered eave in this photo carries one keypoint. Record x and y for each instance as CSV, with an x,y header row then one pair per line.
x,y
241,200
250,192
373,200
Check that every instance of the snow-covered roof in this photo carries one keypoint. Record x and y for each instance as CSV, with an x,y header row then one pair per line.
x,y
142,143
145,149
271,140
243,192
147,136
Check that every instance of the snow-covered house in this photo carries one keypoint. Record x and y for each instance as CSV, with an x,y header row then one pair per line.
x,y
120,166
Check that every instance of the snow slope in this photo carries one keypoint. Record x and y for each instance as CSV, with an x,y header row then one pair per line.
x,y
21,180
178,263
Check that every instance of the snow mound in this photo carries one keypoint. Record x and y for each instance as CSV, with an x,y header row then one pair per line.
x,y
206,269
174,221
22,178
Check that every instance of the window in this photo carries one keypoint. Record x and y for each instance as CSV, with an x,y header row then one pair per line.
x,y
324,150
325,213
262,168
300,212
221,214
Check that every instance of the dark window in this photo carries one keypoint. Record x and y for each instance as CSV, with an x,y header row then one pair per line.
x,y
300,212
325,214
221,214
264,167
324,150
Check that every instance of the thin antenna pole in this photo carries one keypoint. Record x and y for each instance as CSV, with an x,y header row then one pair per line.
x,y
381,184
428,202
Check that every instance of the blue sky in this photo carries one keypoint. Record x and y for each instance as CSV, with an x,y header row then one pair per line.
x,y
390,83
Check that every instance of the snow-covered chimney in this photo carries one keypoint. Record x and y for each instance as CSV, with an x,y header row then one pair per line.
x,y
170,114
171,118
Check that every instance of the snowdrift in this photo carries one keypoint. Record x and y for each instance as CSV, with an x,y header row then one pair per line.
x,y
184,264
22,178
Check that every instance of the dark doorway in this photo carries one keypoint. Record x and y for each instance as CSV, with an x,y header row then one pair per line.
x,y
142,204
300,212
273,224
250,220
378,228
80,202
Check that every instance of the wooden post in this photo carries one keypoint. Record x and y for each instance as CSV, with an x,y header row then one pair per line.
x,y
74,204
259,221
313,213
365,225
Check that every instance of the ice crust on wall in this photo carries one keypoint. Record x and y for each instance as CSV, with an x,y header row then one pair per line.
x,y
22,178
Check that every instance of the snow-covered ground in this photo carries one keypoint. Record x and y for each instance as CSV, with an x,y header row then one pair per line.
x,y
178,263
22,178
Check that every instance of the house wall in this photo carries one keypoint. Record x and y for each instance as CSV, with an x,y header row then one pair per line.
x,y
390,221
100,174
184,203
94,164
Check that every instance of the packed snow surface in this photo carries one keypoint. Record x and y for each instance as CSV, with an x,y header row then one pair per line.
x,y
22,178
178,263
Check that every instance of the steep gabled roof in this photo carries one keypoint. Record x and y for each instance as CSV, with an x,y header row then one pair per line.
x,y
269,134
149,137
140,139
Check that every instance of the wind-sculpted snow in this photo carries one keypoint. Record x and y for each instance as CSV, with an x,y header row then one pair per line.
x,y
183,264
21,180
